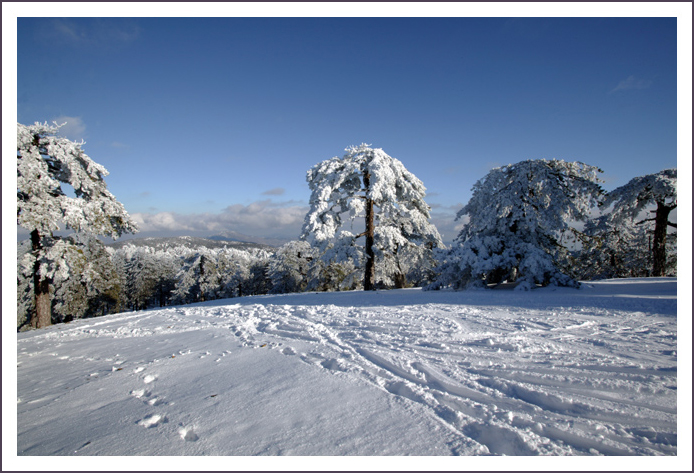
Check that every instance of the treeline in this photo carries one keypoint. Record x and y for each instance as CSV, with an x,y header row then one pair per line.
x,y
95,280
98,280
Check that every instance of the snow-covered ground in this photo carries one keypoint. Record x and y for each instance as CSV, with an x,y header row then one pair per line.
x,y
555,371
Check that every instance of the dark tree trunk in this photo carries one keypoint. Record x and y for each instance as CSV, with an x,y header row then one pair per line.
x,y
370,270
41,316
400,278
659,237
201,296
400,281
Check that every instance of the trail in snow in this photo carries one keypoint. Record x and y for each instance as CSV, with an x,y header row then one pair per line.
x,y
555,372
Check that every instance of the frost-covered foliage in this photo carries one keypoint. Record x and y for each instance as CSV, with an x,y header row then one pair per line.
x,y
289,266
334,276
93,286
44,260
50,262
632,198
516,215
208,274
84,280
620,250
182,275
25,284
367,183
149,275
89,279
46,162
640,195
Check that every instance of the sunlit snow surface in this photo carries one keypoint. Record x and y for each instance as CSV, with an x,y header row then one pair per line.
x,y
555,371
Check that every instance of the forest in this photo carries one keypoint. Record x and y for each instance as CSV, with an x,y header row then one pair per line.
x,y
534,223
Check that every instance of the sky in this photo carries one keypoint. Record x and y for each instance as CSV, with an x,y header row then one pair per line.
x,y
210,124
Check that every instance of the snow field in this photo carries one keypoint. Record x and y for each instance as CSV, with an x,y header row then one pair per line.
x,y
553,372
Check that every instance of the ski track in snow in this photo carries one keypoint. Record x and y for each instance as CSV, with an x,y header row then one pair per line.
x,y
566,376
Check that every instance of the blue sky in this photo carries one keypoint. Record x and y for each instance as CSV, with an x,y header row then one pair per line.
x,y
210,124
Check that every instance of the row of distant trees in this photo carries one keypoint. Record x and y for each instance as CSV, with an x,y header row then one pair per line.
x,y
102,280
537,222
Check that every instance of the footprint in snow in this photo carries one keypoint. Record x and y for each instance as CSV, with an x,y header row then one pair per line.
x,y
152,421
150,378
139,393
187,434
155,401
289,351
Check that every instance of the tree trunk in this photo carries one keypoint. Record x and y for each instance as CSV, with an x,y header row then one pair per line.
x,y
370,270
41,316
659,236
400,278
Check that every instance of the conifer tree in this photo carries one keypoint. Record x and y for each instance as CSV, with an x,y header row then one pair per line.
x,y
631,199
366,184
516,216
45,163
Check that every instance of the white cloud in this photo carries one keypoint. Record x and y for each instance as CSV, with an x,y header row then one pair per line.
x,y
631,83
162,221
74,128
261,218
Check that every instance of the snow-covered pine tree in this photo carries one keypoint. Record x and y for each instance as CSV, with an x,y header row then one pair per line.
x,y
149,275
367,183
192,280
631,199
612,251
25,283
516,215
44,163
93,286
258,281
288,267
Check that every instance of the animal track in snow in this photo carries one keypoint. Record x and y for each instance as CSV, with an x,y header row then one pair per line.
x,y
150,378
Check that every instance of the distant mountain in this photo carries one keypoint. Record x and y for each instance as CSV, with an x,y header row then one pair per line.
x,y
161,243
240,237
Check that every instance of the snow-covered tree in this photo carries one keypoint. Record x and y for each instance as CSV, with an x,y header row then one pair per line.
x,y
258,281
193,281
635,197
367,184
149,275
288,267
93,285
612,251
46,162
517,215
25,283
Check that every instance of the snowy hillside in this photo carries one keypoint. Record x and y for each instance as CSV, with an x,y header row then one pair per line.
x,y
189,242
555,371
